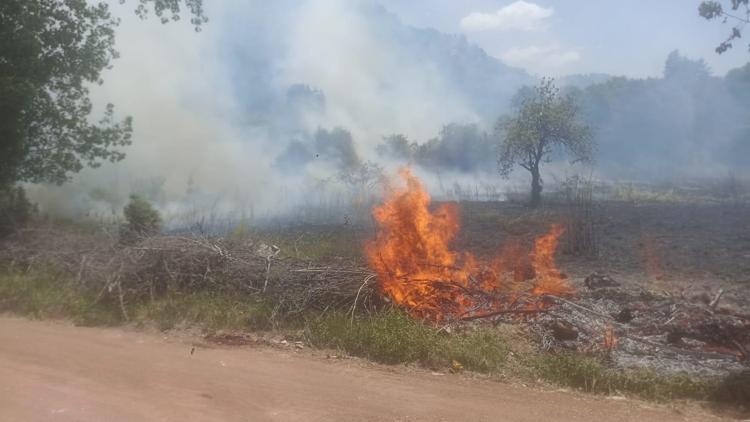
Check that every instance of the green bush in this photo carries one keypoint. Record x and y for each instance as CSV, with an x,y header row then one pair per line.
x,y
15,209
141,220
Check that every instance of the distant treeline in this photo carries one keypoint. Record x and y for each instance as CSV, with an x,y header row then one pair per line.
x,y
685,123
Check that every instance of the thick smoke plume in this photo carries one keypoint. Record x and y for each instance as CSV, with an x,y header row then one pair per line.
x,y
285,103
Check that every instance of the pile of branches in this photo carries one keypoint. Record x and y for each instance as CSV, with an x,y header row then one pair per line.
x,y
154,266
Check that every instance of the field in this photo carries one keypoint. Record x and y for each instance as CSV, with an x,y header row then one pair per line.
x,y
686,251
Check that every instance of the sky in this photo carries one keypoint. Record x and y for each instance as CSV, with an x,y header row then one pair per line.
x,y
630,38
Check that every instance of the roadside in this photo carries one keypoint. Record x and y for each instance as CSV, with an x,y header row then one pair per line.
x,y
55,371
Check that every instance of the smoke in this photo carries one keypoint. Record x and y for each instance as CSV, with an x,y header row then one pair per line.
x,y
271,102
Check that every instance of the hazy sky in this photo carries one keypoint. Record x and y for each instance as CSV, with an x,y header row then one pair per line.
x,y
559,37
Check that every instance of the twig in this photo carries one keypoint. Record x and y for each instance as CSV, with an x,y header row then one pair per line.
x,y
354,305
716,299
122,300
503,312
328,270
585,309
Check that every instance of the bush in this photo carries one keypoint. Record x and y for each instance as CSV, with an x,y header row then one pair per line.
x,y
141,220
15,209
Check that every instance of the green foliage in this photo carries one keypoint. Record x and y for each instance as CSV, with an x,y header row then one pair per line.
x,y
544,121
388,336
206,310
51,294
589,374
52,51
47,293
393,337
739,13
458,147
141,220
321,245
734,389
162,8
15,209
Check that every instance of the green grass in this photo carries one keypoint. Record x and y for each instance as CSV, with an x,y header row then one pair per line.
x,y
388,336
392,337
590,374
47,294
318,244
205,310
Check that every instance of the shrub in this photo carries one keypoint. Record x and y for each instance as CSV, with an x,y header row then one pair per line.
x,y
15,209
141,220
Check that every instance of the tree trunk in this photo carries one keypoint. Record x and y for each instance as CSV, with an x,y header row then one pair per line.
x,y
536,188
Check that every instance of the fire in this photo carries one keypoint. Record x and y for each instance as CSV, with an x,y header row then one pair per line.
x,y
549,280
651,257
418,270
610,339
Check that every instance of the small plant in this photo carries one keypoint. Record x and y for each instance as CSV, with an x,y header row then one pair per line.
x,y
15,209
141,220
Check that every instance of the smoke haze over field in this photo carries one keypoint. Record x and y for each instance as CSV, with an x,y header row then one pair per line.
x,y
273,103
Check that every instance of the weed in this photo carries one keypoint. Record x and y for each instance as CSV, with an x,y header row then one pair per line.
x,y
393,337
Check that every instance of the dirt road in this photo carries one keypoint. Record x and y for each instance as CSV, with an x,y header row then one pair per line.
x,y
56,372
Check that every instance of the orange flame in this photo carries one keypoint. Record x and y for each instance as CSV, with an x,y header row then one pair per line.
x,y
549,280
418,270
651,256
610,339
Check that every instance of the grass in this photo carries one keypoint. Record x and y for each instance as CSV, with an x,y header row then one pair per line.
x,y
591,374
392,337
389,336
321,244
47,294
206,310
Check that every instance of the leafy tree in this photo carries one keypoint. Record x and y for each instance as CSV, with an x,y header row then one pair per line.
x,y
544,121
337,145
739,14
51,51
397,146
459,147
15,209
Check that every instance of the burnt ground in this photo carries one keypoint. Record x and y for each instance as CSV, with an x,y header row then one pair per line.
x,y
690,249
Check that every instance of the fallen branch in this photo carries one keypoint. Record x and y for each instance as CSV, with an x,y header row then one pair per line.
x,y
503,312
715,301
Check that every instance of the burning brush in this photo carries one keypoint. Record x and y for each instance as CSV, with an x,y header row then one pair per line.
x,y
418,270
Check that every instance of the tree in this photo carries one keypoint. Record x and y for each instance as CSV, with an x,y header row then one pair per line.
x,y
544,121
739,14
50,53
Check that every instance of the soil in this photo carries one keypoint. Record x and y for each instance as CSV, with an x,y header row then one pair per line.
x,y
684,248
52,371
